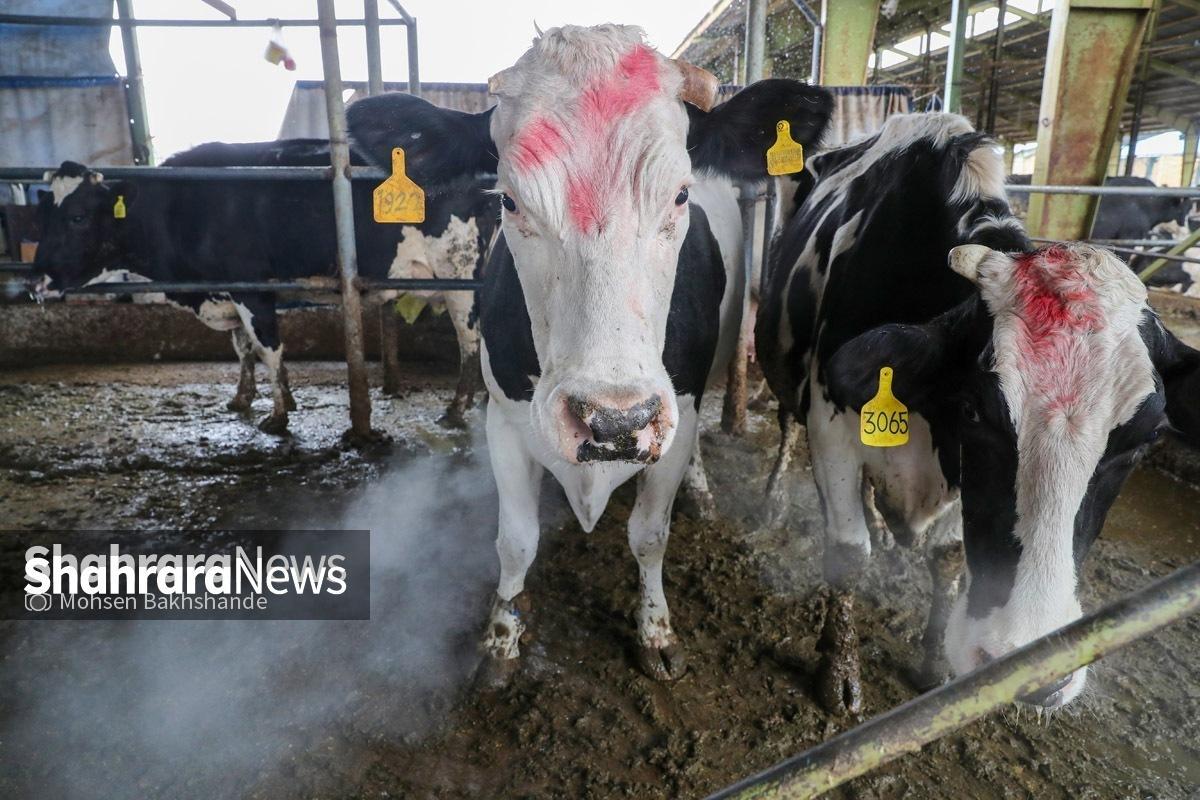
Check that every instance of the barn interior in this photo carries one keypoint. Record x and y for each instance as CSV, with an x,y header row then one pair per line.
x,y
113,417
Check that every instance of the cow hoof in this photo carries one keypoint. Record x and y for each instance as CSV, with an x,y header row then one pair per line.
x,y
495,673
276,424
289,402
839,688
667,663
453,418
239,404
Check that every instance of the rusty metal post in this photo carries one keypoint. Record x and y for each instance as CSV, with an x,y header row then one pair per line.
x,y
929,717
343,212
135,93
849,36
1191,137
733,412
1090,56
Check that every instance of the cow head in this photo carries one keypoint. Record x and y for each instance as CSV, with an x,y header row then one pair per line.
x,y
81,236
595,141
1050,384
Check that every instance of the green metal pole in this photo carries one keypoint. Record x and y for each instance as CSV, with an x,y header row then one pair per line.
x,y
849,27
907,728
1178,250
1191,137
143,150
952,94
1091,54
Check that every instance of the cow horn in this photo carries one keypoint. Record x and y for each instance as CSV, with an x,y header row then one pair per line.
x,y
699,86
966,258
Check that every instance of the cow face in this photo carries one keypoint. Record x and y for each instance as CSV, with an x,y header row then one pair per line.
x,y
80,233
1050,384
595,149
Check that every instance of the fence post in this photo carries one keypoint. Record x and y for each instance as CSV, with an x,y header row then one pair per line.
x,y
343,212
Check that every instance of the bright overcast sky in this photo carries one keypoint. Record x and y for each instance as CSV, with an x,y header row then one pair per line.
x,y
205,84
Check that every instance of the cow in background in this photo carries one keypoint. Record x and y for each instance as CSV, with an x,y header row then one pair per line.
x,y
1035,380
602,309
238,230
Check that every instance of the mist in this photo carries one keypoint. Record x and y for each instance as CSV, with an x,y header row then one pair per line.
x,y
180,709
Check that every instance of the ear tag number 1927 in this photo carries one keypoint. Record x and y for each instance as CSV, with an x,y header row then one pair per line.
x,y
883,421
398,199
786,155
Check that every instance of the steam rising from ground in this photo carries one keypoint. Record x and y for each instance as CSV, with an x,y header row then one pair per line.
x,y
229,709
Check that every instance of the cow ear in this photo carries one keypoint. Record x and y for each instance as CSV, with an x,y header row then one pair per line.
x,y
440,144
925,359
734,137
42,194
1179,367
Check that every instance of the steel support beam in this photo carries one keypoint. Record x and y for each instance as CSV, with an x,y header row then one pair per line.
x,y
1191,137
849,28
343,212
135,93
733,412
952,93
1090,56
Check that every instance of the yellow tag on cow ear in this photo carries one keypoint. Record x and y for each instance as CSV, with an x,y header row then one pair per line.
x,y
398,199
119,207
786,155
883,421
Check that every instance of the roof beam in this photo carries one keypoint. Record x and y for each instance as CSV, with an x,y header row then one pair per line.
x,y
1167,68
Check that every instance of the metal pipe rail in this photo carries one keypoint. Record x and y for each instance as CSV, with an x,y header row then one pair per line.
x,y
200,287
1130,191
38,19
37,174
918,722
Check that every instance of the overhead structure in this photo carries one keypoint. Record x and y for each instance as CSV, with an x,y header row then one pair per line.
x,y
1092,52
849,33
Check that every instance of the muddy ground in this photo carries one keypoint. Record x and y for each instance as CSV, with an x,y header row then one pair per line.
x,y
384,709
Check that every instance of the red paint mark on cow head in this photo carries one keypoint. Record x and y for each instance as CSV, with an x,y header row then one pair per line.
x,y
1055,304
602,105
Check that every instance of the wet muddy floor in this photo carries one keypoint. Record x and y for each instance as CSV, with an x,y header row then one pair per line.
x,y
384,708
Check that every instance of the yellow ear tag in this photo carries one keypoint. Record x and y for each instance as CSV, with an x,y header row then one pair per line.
x,y
786,155
119,207
398,199
883,421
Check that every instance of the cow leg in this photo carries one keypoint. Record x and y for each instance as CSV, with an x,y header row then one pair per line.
x,y
777,500
259,319
838,476
389,347
246,389
659,651
518,481
458,305
695,484
944,557
881,534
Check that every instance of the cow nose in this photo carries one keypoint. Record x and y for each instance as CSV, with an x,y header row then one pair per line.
x,y
607,430
1047,696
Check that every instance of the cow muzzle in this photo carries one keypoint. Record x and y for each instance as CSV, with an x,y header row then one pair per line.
x,y
624,426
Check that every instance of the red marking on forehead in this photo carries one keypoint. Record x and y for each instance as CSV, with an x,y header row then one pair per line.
x,y
603,103
1055,304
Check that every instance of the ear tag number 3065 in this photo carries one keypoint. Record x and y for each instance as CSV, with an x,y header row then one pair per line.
x,y
883,421
398,199
786,155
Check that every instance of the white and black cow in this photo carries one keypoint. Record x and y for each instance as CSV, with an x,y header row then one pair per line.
x,y
236,230
1034,379
601,308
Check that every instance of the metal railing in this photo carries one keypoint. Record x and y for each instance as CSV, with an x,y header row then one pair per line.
x,y
909,727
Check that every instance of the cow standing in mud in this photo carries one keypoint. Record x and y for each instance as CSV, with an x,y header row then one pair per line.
x,y
1035,380
602,301
237,230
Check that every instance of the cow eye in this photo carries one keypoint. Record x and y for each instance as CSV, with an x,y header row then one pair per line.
x,y
682,197
77,219
509,204
969,411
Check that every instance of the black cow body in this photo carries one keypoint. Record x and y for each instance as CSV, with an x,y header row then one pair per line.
x,y
1033,385
230,231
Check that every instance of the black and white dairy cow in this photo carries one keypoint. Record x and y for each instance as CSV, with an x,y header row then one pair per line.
x,y
1034,381
236,230
601,305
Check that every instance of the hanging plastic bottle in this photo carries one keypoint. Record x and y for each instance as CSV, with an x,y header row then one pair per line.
x,y
277,52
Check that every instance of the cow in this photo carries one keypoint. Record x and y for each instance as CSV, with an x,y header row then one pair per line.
x,y
601,309
1034,381
1123,216
236,230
